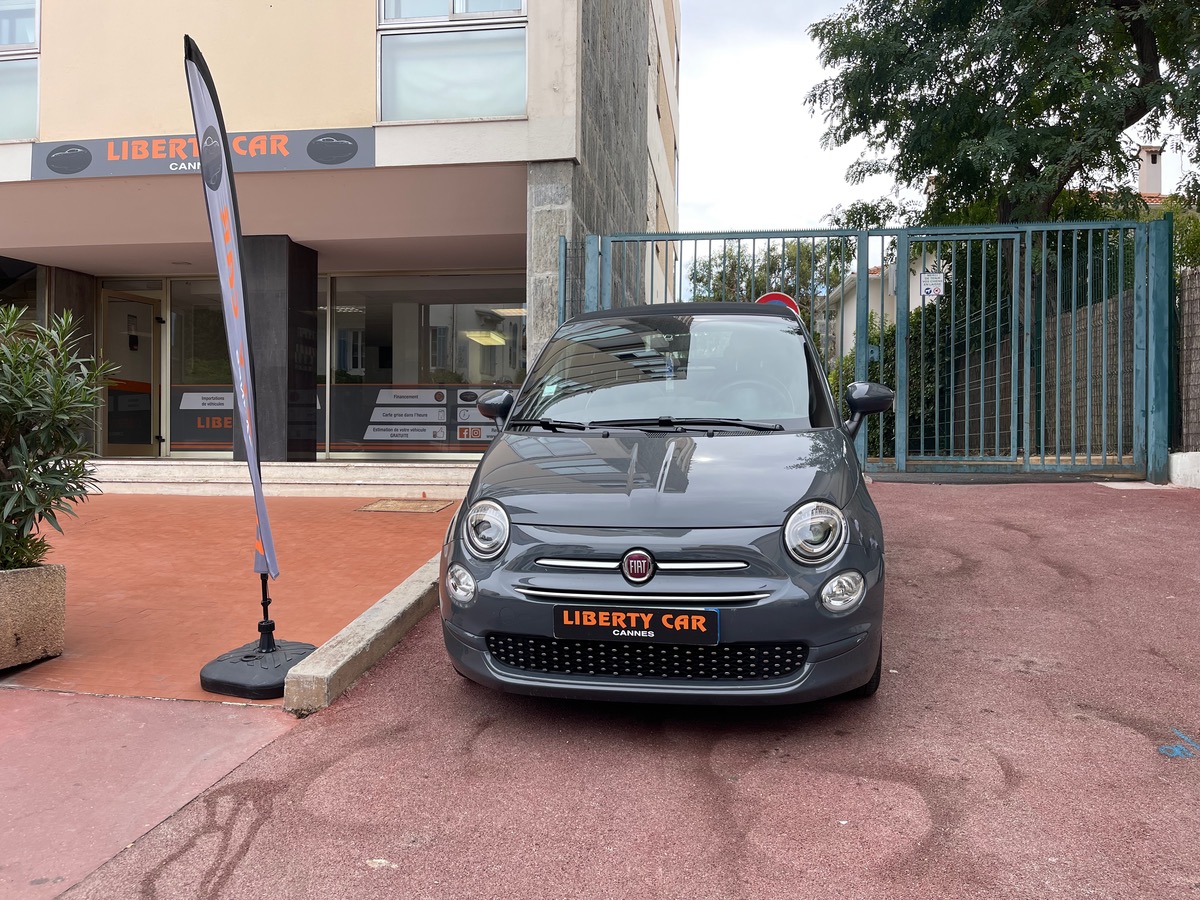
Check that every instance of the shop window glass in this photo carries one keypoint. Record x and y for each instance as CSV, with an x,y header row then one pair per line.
x,y
203,408
411,356
454,74
19,286
18,99
202,402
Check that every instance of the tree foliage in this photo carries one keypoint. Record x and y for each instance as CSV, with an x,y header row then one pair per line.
x,y
1005,108
745,270
1186,231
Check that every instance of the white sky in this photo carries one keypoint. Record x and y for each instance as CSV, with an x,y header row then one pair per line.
x,y
750,154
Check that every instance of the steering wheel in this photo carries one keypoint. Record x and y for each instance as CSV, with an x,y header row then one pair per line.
x,y
766,387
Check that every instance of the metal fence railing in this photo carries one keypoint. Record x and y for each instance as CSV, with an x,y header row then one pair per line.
x,y
1011,348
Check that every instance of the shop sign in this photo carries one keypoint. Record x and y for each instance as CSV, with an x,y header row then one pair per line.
x,y
251,151
400,417
202,417
364,418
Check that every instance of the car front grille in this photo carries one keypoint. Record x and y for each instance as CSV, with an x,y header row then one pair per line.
x,y
611,659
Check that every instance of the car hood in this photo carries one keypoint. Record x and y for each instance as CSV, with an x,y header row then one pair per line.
x,y
664,480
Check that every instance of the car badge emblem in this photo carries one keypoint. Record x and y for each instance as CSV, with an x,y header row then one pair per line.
x,y
637,566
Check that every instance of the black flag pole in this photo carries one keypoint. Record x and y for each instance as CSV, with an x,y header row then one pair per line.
x,y
256,670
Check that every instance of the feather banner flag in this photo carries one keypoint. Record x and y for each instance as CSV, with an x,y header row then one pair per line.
x,y
216,172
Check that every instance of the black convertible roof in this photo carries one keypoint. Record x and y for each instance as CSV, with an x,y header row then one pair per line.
x,y
732,308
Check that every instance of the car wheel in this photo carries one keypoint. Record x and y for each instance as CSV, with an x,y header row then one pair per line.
x,y
869,689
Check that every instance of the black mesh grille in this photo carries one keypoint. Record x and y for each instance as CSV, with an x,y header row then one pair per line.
x,y
722,662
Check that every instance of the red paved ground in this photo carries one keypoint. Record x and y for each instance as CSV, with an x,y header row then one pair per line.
x,y
1043,645
157,586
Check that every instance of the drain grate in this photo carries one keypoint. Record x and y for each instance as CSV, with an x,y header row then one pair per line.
x,y
413,506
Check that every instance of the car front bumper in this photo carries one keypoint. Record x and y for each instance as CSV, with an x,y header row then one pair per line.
x,y
828,670
775,645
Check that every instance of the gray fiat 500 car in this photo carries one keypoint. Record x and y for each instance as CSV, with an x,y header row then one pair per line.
x,y
671,510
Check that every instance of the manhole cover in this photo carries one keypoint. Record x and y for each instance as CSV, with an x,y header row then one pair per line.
x,y
413,506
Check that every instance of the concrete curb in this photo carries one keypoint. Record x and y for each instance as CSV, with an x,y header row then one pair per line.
x,y
317,681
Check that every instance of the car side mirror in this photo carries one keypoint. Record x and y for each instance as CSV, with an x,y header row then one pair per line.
x,y
496,405
866,398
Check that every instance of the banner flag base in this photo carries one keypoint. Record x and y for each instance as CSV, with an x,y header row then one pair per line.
x,y
255,671
250,673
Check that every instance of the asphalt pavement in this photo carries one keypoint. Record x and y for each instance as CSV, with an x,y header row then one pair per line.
x,y
1037,734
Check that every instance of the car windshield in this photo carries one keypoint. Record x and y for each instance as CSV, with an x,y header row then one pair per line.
x,y
695,370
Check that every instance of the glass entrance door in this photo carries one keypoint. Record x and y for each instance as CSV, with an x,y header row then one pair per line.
x,y
130,337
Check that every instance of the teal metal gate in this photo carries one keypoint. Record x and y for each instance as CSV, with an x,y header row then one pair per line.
x,y
1012,349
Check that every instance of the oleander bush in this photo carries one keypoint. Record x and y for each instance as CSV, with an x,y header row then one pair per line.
x,y
49,393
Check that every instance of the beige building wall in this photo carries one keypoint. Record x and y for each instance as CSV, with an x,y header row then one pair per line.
x,y
115,67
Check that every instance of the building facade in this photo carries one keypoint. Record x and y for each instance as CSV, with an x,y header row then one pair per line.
x,y
405,169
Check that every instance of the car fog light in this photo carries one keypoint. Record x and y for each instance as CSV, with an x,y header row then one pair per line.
x,y
843,591
460,585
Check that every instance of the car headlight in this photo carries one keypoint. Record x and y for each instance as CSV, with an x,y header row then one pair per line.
x,y
815,532
485,528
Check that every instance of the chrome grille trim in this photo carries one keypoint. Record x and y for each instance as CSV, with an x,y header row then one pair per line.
x,y
579,563
696,566
639,597
701,566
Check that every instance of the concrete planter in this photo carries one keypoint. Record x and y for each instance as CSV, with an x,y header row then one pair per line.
x,y
33,607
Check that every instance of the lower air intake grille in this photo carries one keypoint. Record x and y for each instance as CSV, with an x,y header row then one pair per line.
x,y
723,662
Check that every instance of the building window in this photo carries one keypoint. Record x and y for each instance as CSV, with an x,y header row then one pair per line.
x,y
439,347
350,366
18,69
443,10
451,59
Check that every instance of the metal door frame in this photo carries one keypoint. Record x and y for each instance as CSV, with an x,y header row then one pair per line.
x,y
158,414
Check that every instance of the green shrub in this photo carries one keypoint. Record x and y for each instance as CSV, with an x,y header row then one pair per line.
x,y
48,398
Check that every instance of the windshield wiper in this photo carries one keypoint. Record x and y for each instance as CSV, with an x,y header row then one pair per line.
x,y
685,423
551,424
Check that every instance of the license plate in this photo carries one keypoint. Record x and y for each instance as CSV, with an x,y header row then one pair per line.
x,y
655,626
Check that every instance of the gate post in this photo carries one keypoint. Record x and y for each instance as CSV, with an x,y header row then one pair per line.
x,y
862,336
606,274
1141,365
591,273
562,278
1158,354
901,386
